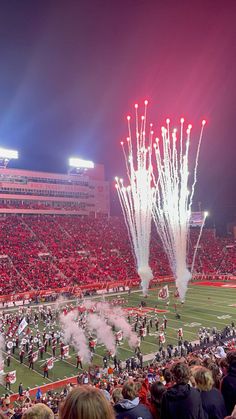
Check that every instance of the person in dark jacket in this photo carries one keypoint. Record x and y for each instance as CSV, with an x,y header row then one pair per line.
x,y
228,386
181,400
130,407
212,400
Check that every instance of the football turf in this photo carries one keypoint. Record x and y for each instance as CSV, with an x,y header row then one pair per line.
x,y
205,306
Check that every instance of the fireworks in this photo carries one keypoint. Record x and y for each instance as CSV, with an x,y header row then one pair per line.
x,y
167,197
173,199
137,198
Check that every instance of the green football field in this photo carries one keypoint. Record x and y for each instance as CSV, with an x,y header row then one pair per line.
x,y
205,306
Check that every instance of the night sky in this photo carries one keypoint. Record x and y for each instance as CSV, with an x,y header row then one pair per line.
x,y
72,70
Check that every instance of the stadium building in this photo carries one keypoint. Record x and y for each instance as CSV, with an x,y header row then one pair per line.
x,y
82,191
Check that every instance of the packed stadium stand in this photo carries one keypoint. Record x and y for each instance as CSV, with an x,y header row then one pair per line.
x,y
46,252
56,232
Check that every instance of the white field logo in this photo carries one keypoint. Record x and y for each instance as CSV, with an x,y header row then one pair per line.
x,y
193,324
225,316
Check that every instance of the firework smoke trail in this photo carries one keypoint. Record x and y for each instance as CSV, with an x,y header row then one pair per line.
x,y
74,334
173,201
137,198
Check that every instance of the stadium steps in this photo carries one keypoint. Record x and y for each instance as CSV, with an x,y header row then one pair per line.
x,y
18,273
63,230
35,235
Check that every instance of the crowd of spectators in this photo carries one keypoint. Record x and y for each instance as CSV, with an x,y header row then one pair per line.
x,y
52,252
200,385
36,205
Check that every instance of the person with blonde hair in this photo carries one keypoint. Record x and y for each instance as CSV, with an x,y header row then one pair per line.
x,y
86,402
212,400
38,411
117,395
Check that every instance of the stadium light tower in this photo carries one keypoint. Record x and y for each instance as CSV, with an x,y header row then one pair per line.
x,y
7,155
79,165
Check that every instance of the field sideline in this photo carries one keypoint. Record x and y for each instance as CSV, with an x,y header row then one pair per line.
x,y
205,306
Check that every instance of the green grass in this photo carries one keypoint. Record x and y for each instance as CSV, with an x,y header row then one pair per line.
x,y
203,306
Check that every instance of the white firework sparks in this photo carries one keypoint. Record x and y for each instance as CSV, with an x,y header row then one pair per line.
x,y
137,198
173,200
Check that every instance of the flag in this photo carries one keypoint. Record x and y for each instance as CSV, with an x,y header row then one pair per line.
x,y
162,337
119,335
35,356
163,293
12,377
50,363
66,351
22,326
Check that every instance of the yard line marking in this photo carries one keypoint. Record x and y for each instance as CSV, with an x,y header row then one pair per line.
x,y
24,365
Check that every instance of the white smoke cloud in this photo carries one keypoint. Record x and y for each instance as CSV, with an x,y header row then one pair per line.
x,y
97,324
116,316
146,275
74,334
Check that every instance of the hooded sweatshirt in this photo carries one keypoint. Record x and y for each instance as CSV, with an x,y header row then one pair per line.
x,y
182,401
131,409
228,388
213,404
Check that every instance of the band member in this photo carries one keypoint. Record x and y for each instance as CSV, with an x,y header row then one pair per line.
x,y
31,361
45,371
22,353
8,382
79,362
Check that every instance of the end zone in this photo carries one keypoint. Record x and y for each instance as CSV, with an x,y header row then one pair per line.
x,y
144,310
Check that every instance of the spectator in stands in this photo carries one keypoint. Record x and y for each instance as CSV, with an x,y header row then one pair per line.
x,y
168,378
130,407
157,390
224,366
181,400
86,402
228,386
38,394
212,400
117,395
216,374
38,411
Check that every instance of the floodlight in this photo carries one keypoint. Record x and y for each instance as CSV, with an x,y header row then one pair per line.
x,y
80,163
8,154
